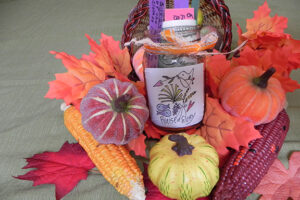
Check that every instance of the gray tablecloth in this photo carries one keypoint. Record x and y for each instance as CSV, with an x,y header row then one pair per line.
x,y
30,124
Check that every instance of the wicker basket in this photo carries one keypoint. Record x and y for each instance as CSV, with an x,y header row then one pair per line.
x,y
215,13
236,181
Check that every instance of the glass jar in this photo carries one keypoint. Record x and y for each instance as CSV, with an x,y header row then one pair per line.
x,y
175,86
186,29
175,94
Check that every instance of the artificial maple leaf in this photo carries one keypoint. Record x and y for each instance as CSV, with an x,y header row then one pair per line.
x,y
69,61
153,192
90,58
108,60
138,145
140,85
288,84
76,82
152,131
216,66
266,41
262,23
156,133
222,130
280,183
109,55
64,168
292,49
250,57
278,58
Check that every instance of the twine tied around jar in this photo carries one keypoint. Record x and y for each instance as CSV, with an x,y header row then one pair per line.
x,y
178,45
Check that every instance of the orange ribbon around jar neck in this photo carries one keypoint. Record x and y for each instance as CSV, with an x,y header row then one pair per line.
x,y
178,45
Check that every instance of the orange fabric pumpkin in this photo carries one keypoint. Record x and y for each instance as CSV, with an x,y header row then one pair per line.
x,y
250,93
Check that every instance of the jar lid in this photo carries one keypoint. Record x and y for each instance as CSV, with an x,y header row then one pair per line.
x,y
176,23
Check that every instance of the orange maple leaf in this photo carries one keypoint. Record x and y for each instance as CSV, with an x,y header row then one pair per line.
x,y
262,23
138,145
280,183
268,40
222,130
109,55
216,67
76,82
140,85
284,60
108,60
152,131
292,47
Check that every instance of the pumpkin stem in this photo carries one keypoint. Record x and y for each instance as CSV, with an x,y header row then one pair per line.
x,y
120,104
182,147
262,81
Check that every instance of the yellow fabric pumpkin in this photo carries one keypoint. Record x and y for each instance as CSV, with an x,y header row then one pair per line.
x,y
183,166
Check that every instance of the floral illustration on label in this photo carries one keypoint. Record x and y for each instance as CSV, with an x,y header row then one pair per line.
x,y
175,98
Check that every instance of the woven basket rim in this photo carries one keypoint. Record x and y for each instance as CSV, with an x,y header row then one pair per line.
x,y
140,11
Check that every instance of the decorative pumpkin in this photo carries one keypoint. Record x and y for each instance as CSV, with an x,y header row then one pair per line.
x,y
114,112
250,93
183,166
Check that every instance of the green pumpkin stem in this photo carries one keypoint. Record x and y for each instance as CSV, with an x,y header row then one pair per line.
x,y
262,81
120,104
182,147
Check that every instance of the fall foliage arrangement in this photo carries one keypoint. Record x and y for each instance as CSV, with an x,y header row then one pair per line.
x,y
232,154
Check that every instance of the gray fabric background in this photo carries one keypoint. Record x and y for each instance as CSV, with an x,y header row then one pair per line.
x,y
30,124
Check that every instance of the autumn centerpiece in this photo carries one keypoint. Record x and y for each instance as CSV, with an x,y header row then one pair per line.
x,y
241,134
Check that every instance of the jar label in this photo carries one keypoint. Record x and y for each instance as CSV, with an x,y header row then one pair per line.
x,y
176,95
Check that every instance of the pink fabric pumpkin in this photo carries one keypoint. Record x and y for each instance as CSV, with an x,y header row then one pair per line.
x,y
114,112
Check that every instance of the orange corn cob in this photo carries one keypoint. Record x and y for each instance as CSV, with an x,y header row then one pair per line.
x,y
114,162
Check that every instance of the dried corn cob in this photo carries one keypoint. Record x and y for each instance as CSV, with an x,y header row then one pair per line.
x,y
114,162
244,170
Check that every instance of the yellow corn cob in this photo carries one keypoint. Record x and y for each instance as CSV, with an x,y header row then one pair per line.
x,y
114,162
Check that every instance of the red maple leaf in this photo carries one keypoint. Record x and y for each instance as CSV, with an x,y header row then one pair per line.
x,y
153,192
138,145
280,183
222,130
64,168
